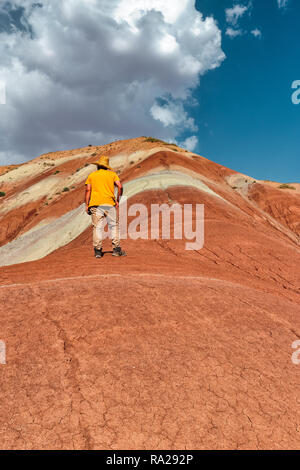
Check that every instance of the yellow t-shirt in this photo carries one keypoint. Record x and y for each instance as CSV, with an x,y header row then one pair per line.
x,y
102,182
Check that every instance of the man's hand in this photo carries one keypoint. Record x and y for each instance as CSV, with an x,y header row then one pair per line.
x,y
120,192
88,189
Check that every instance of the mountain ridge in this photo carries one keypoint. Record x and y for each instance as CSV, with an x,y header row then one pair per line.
x,y
163,349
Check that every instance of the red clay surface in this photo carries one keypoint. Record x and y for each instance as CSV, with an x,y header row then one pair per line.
x,y
166,348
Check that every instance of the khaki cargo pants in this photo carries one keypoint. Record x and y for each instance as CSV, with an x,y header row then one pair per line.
x,y
99,214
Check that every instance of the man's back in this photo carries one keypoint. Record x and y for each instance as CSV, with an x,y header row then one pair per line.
x,y
99,193
102,186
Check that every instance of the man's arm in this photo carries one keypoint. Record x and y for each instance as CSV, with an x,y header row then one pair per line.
x,y
88,190
120,191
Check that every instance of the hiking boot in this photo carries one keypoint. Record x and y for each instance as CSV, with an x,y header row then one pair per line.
x,y
98,253
118,251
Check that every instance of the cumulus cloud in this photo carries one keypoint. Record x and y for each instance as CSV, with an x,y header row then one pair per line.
x,y
256,33
235,13
173,114
233,33
190,143
91,71
233,16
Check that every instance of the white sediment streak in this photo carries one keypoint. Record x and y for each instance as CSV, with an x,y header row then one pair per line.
x,y
38,243
163,180
34,168
41,241
124,160
46,187
49,187
240,182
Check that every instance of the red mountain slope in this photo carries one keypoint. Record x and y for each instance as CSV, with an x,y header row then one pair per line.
x,y
163,349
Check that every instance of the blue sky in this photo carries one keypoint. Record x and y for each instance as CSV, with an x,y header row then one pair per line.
x,y
248,121
81,72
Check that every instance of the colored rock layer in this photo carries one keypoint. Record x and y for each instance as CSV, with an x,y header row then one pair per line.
x,y
163,349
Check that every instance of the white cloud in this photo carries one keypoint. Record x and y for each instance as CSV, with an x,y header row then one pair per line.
x,y
282,3
235,13
190,143
256,33
233,33
173,114
131,10
95,70
233,16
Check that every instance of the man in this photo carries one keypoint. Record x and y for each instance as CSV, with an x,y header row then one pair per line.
x,y
101,203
